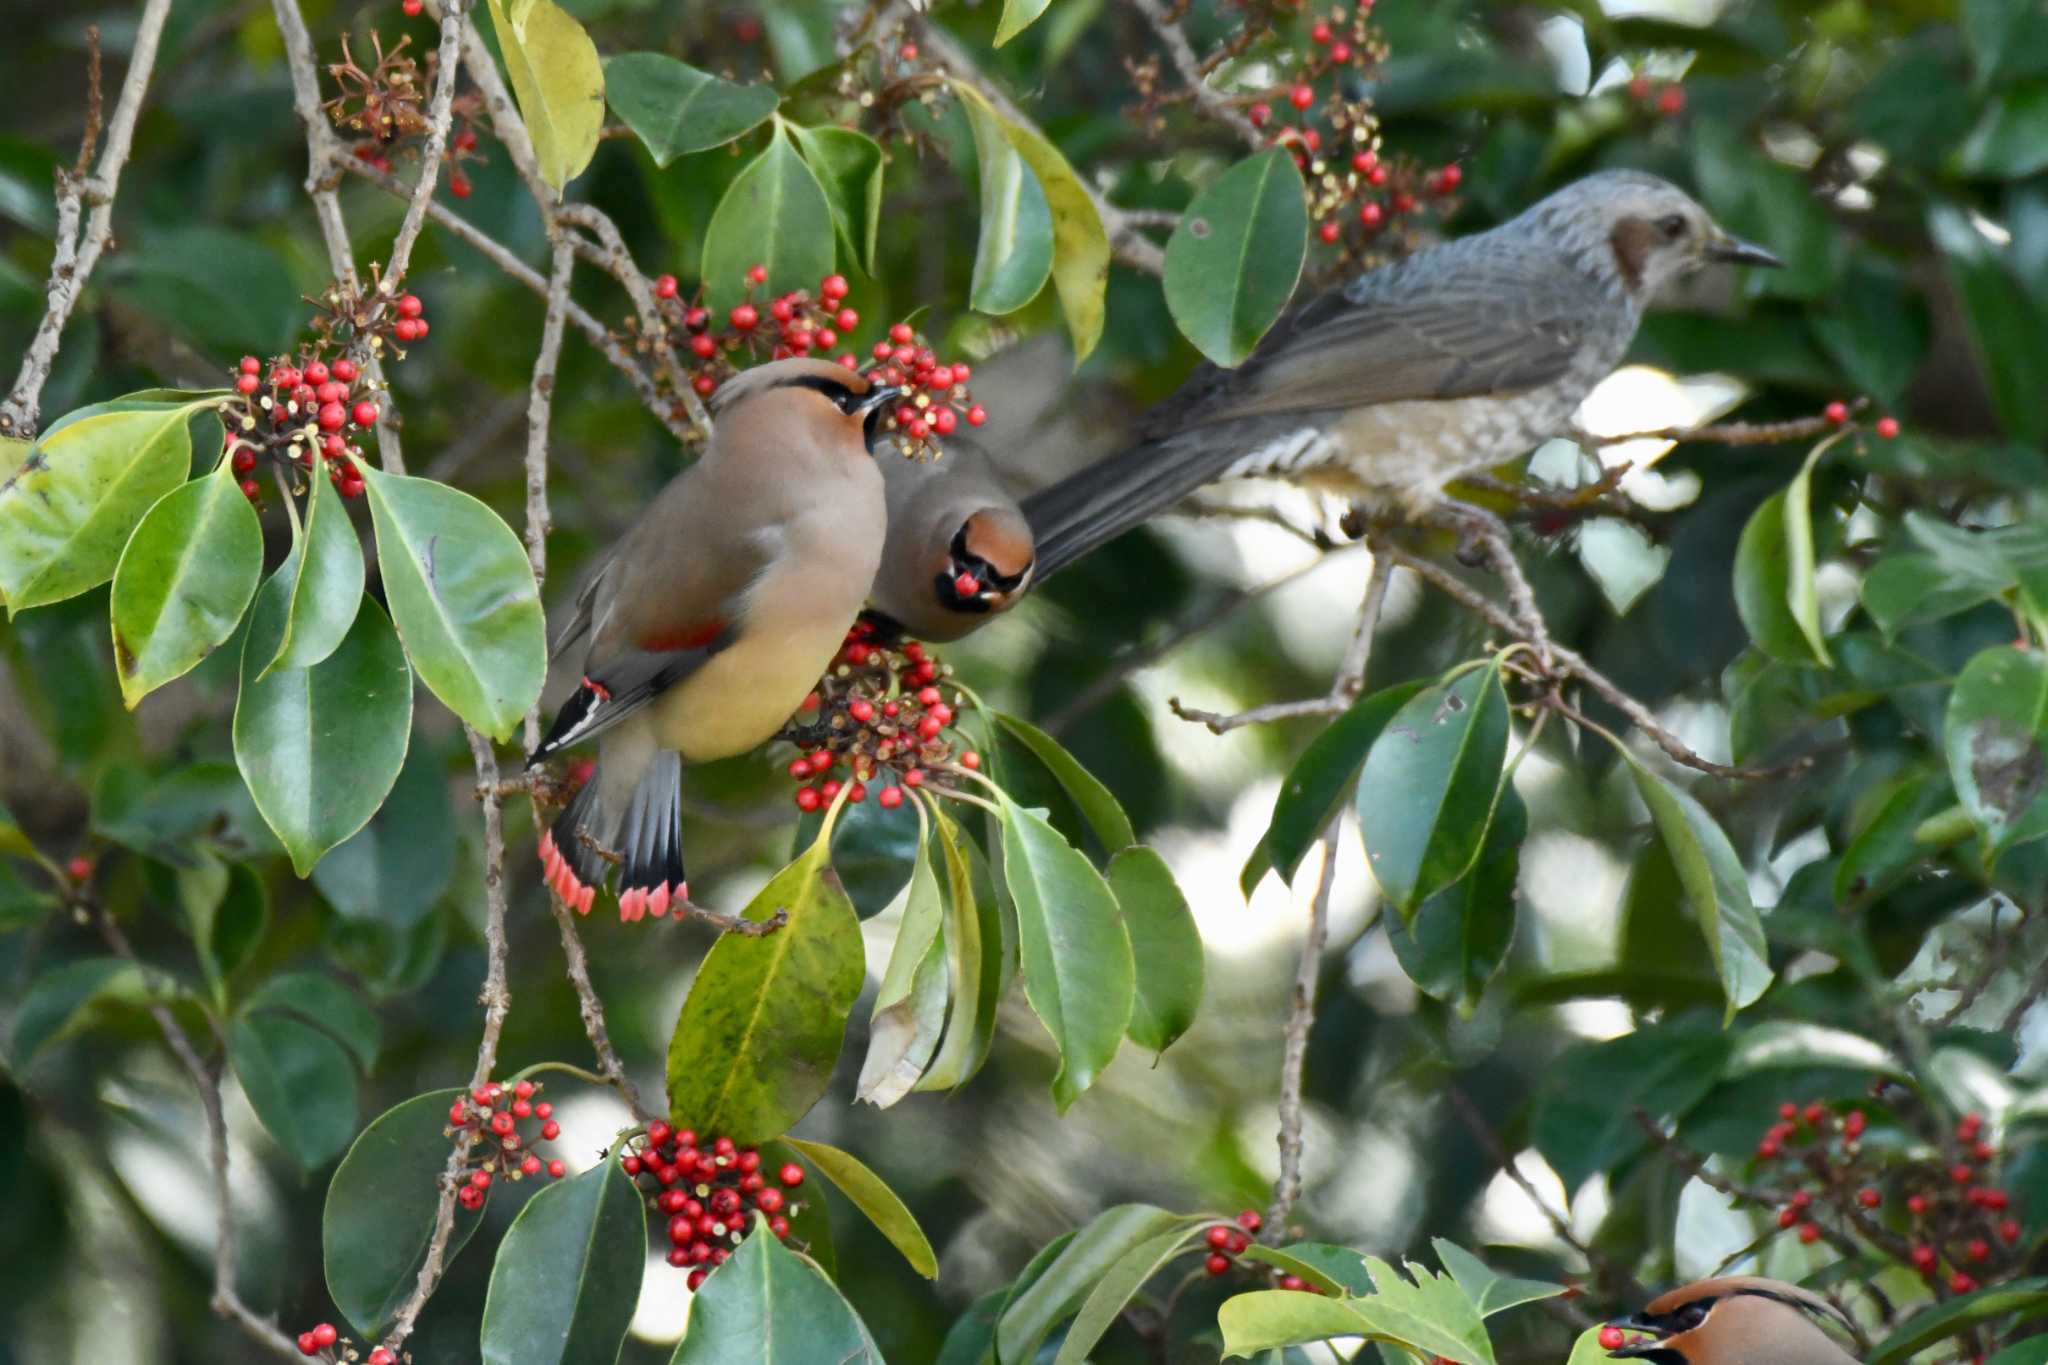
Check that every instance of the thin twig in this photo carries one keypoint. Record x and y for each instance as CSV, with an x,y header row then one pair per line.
x,y
1207,99
440,113
2030,997
227,1302
1725,433
592,1010
540,401
78,252
1301,1017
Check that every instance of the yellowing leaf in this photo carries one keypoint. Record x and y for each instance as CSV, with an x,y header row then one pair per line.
x,y
558,82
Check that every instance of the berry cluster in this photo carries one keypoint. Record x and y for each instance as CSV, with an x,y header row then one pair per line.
x,y
1938,1208
326,1343
386,106
1664,98
706,1190
1226,1241
1837,414
882,711
487,1120
803,323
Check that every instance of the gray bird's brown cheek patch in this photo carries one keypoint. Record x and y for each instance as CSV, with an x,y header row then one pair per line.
x,y
2008,768
1632,240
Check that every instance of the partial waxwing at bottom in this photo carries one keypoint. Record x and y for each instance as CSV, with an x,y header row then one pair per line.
x,y
958,552
713,617
1736,1320
1460,357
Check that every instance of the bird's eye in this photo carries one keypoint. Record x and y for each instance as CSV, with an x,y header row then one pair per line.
x,y
1673,226
1692,1315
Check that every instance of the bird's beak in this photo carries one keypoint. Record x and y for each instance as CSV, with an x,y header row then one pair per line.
x,y
876,396
1637,1322
1735,251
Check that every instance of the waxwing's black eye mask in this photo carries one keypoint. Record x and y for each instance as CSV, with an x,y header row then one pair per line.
x,y
965,564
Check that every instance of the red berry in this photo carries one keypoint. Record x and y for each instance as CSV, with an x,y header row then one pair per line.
x,y
381,1356
1916,1204
251,489
1836,412
1319,34
1251,1220
890,797
1924,1258
1218,1237
779,1226
1809,1232
1671,101
1611,1338
308,1346
1301,96
1371,214
943,421
833,288
457,1115
1962,1173
1217,1264
791,1175
1887,428
409,306
1340,53
1961,1283
248,383
345,370
1449,178
1787,1217
557,1169
976,415
1853,1123
1979,1249
769,1200
757,274
1329,232
971,761
1768,1149
1259,114
1868,1197
2009,1230
724,1146
665,287
1802,1200
251,365
324,1334
744,317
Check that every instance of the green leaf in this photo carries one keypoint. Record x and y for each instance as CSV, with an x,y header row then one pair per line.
x,y
1994,738
2005,38
1058,1289
768,1306
299,1081
774,214
1232,262
849,168
320,747
2023,1299
974,963
558,81
1430,1315
1018,15
2010,142
2008,334
60,1000
66,514
674,109
1876,328
1314,790
910,1007
229,291
762,1026
567,1275
328,582
873,850
1095,802
226,908
394,869
1662,1069
1764,587
1460,936
1913,587
183,581
322,1000
1118,1286
1270,1319
1013,258
1587,1350
1426,794
462,596
380,1211
1490,1291
1080,264
1716,887
1078,970
2032,1351
1331,1269
1884,852
873,1197
1166,947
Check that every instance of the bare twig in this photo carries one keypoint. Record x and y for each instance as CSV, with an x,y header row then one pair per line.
x,y
78,252
1726,433
540,402
592,1010
1301,1017
1212,104
610,255
447,65
2029,998
227,1302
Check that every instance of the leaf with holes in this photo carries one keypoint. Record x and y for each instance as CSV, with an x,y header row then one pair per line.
x,y
1996,740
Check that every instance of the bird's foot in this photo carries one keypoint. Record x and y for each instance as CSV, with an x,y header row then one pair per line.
x,y
1483,538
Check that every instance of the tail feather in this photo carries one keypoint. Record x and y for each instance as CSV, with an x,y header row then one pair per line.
x,y
646,837
1099,503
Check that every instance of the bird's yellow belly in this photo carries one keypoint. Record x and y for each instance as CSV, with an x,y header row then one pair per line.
x,y
743,695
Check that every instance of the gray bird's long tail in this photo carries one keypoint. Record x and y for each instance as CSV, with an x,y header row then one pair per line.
x,y
645,831
1099,503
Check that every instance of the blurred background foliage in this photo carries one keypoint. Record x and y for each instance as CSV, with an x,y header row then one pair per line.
x,y
1896,154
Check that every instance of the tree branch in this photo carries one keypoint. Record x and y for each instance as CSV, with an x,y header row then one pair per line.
x,y
1301,1017
77,254
1208,100
447,65
227,1302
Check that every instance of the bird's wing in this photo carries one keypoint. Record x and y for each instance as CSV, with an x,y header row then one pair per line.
x,y
1448,324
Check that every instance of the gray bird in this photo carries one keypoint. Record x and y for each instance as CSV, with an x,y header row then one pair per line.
x,y
713,617
1381,391
1736,1320
958,553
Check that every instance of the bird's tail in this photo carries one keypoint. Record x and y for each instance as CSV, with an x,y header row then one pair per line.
x,y
1099,503
639,826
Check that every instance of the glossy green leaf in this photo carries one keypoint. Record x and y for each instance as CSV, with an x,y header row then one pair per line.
x,y
762,1026
59,1000
873,851
463,598
1059,1287
1269,1319
1078,970
1910,588
1081,252
1095,801
1490,1291
1587,1350
1018,15
774,214
2032,1351
1233,260
849,168
380,1211
974,963
1996,742
675,109
393,870
1013,258
1884,851
1314,790
1428,1314
67,513
322,1000
327,585
226,909
768,1306
558,80
23,905
1426,794
1460,936
910,1006
2010,141
1335,1270
1771,577
183,581
1166,947
2023,1300
299,1081
320,747
567,1275
227,290
873,1197
2005,39
1663,1069
1716,886
2008,334
1121,1283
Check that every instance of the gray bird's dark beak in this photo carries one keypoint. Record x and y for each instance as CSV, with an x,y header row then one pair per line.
x,y
875,397
1735,251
